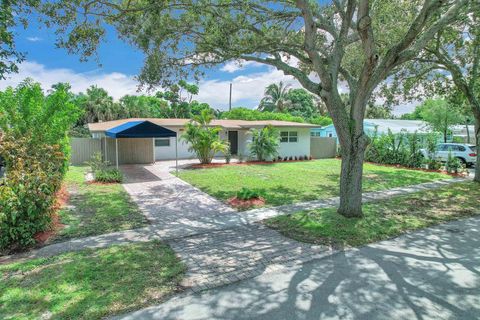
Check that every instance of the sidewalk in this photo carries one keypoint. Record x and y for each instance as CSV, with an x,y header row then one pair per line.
x,y
428,274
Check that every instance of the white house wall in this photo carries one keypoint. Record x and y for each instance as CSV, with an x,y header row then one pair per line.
x,y
299,148
286,149
168,153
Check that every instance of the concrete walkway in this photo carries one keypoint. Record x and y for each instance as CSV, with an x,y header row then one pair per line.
x,y
430,274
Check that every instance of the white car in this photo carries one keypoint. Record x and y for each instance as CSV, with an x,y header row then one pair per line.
x,y
466,153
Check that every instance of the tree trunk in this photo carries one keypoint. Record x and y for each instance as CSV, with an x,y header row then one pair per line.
x,y
351,178
476,178
468,132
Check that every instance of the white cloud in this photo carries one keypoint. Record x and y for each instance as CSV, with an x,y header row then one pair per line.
x,y
247,89
117,84
34,39
405,107
234,66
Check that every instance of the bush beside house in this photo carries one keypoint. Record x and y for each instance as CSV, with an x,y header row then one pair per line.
x,y
265,143
28,193
35,149
396,149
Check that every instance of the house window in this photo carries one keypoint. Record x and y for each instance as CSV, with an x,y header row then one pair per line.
x,y
162,142
330,135
289,136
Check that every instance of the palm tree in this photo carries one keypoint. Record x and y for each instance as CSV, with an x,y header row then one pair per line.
x,y
204,139
276,98
98,105
264,143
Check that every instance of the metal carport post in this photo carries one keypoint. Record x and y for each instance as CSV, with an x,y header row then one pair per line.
x,y
176,153
116,152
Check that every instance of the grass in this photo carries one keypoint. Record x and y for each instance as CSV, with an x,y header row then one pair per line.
x,y
382,219
90,284
96,208
285,183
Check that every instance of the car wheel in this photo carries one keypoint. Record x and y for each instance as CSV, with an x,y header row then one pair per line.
x,y
464,163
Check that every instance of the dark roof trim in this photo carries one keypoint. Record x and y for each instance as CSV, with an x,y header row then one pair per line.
x,y
140,129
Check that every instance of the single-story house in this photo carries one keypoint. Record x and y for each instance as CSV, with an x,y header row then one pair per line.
x,y
381,126
145,140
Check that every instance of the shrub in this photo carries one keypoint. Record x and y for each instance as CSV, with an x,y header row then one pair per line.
x,y
97,164
453,165
35,148
401,148
247,194
414,157
432,164
265,143
251,115
228,157
27,196
110,175
46,118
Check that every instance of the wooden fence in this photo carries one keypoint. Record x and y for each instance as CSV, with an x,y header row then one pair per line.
x,y
130,151
323,147
83,149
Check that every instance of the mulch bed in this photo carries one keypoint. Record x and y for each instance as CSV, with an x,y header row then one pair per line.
x,y
62,199
244,204
101,183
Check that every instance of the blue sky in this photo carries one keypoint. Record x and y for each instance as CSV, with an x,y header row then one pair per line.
x,y
119,63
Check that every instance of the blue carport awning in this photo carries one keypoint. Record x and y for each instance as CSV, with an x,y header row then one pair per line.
x,y
140,129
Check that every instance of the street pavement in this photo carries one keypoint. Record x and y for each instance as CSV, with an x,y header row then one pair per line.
x,y
429,274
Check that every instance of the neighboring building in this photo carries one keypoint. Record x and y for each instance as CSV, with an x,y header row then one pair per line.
x,y
295,139
382,126
460,132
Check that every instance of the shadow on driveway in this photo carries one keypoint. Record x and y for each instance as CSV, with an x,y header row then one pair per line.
x,y
429,274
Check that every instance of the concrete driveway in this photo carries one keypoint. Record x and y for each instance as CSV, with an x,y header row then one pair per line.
x,y
429,274
170,203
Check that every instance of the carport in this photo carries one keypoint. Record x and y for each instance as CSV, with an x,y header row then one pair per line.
x,y
141,129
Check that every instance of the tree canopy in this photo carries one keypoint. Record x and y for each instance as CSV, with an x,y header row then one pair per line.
x,y
356,42
440,116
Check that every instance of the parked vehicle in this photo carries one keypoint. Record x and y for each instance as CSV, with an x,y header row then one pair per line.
x,y
466,153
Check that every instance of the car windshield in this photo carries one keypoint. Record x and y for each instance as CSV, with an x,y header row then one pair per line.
x,y
473,148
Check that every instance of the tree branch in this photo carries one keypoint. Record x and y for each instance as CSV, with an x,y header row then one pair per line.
x,y
287,69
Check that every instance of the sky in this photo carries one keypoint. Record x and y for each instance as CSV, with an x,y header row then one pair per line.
x,y
119,63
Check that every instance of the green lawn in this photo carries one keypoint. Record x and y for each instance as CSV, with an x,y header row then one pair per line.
x,y
284,183
96,208
382,219
90,284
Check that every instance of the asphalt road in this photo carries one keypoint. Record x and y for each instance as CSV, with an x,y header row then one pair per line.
x,y
429,274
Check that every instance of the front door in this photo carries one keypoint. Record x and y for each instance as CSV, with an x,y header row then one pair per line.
x,y
233,139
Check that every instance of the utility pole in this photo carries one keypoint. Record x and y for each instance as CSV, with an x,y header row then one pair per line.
x,y
230,99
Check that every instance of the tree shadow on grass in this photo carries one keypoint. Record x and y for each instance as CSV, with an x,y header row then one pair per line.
x,y
93,283
426,274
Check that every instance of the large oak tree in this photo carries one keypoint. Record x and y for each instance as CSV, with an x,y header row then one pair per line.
x,y
449,64
356,42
